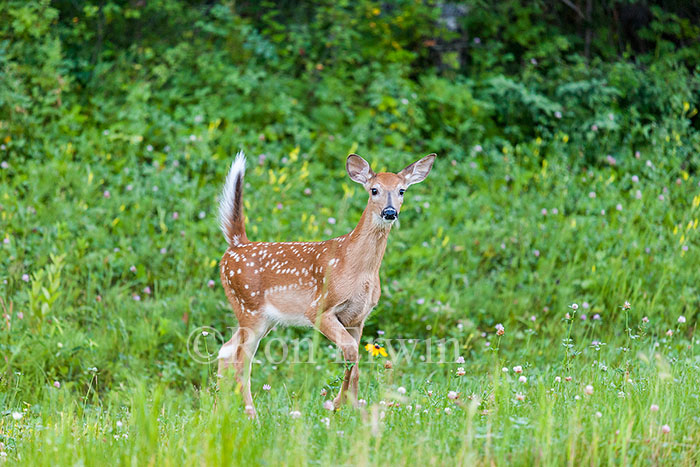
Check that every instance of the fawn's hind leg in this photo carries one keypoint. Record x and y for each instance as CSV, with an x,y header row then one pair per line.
x,y
238,353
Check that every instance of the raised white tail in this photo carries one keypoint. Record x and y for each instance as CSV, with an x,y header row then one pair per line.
x,y
231,218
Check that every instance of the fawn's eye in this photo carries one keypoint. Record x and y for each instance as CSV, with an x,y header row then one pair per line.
x,y
402,191
375,191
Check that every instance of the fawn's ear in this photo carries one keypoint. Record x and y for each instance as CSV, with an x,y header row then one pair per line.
x,y
358,169
417,171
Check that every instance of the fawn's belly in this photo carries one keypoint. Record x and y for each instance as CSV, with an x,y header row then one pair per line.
x,y
291,306
288,307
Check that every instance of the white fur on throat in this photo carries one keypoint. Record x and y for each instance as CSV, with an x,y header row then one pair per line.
x,y
227,198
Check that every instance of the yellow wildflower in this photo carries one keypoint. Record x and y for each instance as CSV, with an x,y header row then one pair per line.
x,y
376,349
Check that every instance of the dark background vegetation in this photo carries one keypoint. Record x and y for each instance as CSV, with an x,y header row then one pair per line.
x,y
508,66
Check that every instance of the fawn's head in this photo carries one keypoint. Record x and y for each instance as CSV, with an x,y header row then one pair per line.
x,y
386,189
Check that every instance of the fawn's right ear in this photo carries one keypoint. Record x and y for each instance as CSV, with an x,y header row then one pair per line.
x,y
358,169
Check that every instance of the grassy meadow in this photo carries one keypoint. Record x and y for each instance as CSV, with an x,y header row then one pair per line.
x,y
539,297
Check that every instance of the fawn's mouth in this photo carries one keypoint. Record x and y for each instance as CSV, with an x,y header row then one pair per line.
x,y
382,222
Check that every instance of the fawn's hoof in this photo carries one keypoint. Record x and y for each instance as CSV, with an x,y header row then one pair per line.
x,y
250,411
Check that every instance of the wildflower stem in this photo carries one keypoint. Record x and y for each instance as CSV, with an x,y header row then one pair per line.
x,y
627,327
567,342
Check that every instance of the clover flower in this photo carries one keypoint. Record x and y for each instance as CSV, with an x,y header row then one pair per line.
x,y
500,330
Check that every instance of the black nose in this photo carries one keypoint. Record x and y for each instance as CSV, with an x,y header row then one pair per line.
x,y
389,213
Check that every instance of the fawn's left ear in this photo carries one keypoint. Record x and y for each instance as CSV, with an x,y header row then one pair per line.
x,y
417,171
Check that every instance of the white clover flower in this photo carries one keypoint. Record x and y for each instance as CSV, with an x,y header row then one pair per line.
x,y
500,330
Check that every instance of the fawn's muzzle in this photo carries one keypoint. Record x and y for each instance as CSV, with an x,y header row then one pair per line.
x,y
389,214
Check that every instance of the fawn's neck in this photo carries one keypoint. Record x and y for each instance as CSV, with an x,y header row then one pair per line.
x,y
367,243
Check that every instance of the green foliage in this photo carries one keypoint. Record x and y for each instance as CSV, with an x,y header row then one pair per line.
x,y
567,171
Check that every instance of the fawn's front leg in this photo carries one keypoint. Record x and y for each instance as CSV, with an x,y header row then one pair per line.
x,y
343,338
352,373
352,377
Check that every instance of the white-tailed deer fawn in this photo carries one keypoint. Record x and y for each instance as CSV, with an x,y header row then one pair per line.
x,y
331,285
